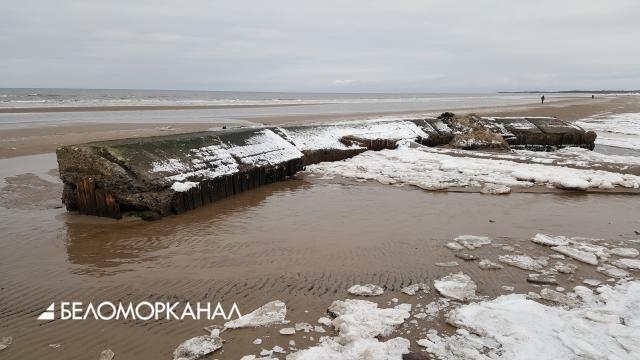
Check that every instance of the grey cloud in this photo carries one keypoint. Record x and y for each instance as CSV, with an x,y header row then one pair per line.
x,y
331,45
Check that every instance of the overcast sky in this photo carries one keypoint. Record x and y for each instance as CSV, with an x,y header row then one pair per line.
x,y
297,45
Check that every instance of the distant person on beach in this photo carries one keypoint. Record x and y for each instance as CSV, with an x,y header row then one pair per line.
x,y
593,96
542,99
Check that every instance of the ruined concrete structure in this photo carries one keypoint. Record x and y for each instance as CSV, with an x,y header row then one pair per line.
x,y
157,176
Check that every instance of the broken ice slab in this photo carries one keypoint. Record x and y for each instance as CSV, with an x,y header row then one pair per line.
x,y
157,176
273,312
106,354
366,290
547,279
5,342
456,286
197,347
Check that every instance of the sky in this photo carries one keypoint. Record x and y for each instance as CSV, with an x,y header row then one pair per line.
x,y
336,46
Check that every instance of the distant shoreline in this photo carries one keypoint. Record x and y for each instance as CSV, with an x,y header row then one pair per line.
x,y
53,109
573,92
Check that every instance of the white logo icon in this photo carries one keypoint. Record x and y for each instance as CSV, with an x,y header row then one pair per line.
x,y
48,314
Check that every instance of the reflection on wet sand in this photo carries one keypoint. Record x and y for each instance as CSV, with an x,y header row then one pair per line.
x,y
301,241
105,247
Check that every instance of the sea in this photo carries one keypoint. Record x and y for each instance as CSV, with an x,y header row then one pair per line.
x,y
28,107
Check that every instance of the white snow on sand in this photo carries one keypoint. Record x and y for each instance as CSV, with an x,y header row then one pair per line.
x,y
358,323
603,326
270,313
358,319
621,130
369,348
430,169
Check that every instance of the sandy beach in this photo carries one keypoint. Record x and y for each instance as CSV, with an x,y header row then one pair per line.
x,y
270,244
38,139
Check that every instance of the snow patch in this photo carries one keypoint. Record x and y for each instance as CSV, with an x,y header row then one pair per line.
x,y
513,327
431,169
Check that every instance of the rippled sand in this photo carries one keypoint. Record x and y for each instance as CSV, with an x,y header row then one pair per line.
x,y
303,241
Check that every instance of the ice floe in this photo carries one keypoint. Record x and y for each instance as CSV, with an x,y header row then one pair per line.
x,y
557,297
495,189
197,347
360,319
466,256
550,240
358,323
360,349
592,282
273,312
542,279
432,309
456,286
625,252
287,331
303,326
486,264
430,169
106,354
564,268
633,264
5,342
513,327
620,130
524,262
580,255
472,241
447,264
366,290
415,288
454,246
612,271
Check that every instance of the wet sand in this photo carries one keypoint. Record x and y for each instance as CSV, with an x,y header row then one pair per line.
x,y
53,109
38,140
303,241
565,109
